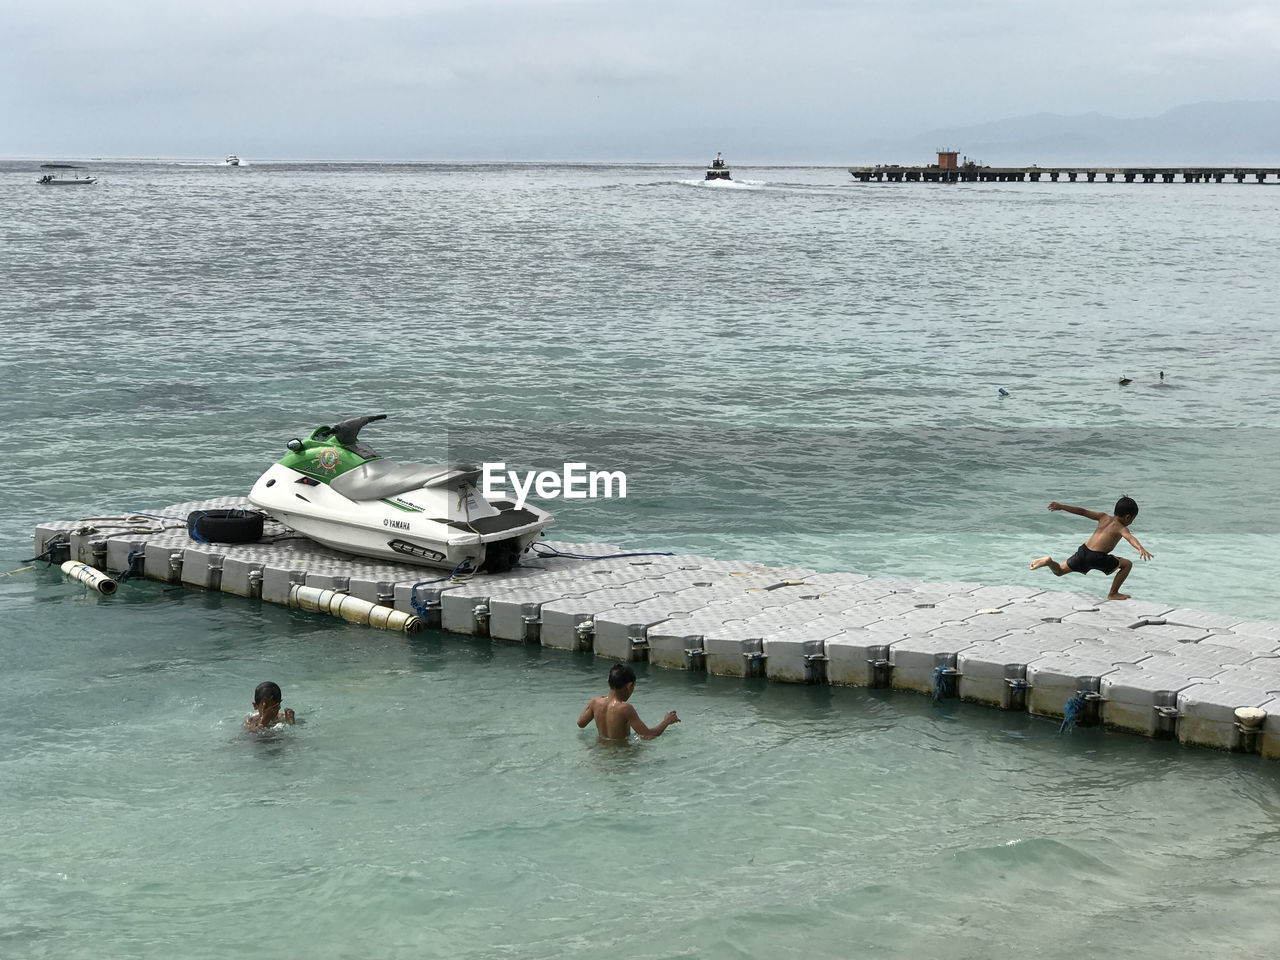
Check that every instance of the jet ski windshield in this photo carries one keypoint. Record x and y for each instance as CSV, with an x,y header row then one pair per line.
x,y
347,433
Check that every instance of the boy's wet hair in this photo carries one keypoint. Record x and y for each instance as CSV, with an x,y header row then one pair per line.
x,y
267,692
620,674
1126,507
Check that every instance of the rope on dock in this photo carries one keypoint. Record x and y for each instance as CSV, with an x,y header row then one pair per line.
x,y
551,552
1071,713
462,573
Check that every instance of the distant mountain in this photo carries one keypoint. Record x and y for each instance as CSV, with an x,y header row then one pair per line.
x,y
1195,134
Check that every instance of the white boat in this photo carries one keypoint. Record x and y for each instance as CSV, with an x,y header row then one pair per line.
x,y
232,161
334,489
64,175
717,169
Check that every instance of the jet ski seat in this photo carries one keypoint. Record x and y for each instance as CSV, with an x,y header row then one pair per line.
x,y
378,479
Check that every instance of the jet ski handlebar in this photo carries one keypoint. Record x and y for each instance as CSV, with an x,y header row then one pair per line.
x,y
347,432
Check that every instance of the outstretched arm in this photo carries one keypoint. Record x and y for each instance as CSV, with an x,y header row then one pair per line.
x,y
1078,511
1142,551
650,733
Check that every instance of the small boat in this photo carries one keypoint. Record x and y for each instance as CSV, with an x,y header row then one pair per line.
x,y
717,169
232,161
64,175
333,488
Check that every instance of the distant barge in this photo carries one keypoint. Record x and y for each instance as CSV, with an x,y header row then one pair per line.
x,y
948,169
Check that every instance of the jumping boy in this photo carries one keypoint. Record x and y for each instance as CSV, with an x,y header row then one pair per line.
x,y
266,703
1095,553
614,717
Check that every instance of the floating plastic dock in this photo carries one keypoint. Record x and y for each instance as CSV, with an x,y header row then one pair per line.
x,y
1202,678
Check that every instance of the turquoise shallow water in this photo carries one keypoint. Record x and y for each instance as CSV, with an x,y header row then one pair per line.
x,y
794,370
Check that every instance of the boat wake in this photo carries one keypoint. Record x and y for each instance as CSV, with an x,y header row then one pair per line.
x,y
725,184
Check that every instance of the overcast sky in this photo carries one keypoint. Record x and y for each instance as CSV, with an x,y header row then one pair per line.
x,y
650,80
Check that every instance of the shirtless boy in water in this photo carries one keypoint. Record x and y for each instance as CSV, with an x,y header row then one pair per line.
x,y
614,717
1095,553
266,703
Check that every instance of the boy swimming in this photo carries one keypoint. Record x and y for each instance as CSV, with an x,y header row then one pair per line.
x,y
1095,553
266,704
614,717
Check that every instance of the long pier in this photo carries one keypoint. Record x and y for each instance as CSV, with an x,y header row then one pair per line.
x,y
1142,667
972,173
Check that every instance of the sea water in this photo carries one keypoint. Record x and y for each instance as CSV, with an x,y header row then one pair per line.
x,y
794,369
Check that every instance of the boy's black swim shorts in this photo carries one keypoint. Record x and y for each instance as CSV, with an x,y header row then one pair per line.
x,y
1084,560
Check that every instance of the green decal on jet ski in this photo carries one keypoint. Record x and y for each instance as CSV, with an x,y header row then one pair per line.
x,y
323,455
320,461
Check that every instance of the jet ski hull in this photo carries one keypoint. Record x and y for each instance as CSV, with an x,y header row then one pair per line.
x,y
441,526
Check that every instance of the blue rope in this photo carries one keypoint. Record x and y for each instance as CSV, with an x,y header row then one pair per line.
x,y
1071,713
193,526
419,607
939,683
131,570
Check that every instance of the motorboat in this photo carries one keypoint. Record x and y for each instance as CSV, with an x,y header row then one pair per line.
x,y
64,175
717,169
232,161
335,489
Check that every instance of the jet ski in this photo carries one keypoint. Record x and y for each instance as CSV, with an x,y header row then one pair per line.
x,y
333,488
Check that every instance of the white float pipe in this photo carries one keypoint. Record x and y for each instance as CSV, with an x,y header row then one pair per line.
x,y
90,576
352,609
